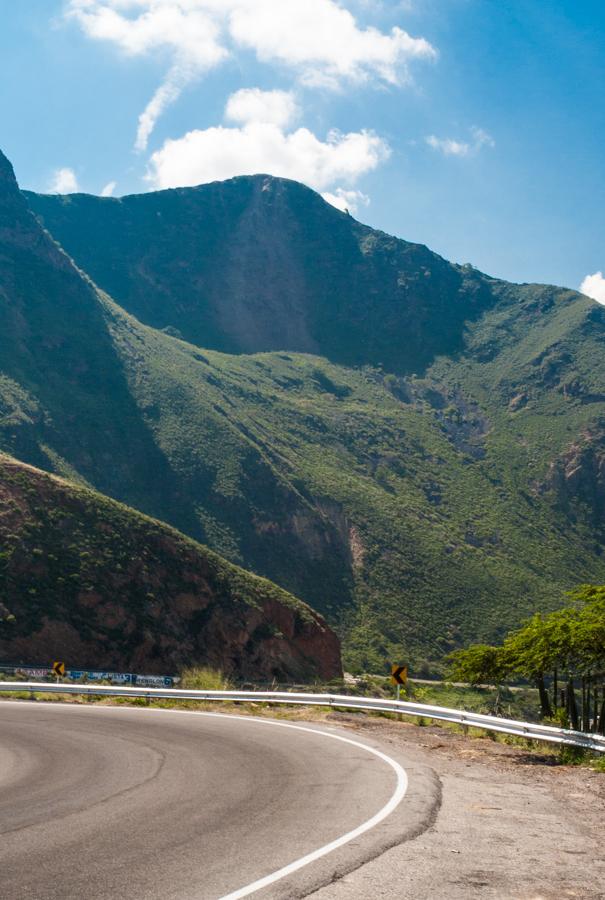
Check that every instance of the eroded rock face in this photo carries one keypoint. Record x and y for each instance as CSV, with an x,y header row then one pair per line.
x,y
87,580
577,478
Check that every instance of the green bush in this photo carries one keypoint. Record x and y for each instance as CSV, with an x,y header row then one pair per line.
x,y
572,756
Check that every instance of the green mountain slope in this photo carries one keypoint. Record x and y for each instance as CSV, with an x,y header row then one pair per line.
x,y
417,511
439,504
260,263
64,395
88,580
535,366
74,398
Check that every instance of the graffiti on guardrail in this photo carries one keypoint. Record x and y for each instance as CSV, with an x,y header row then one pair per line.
x,y
87,675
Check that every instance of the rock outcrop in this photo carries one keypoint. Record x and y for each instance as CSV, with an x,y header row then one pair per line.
x,y
87,580
577,479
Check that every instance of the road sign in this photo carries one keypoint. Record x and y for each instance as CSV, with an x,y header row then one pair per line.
x,y
59,669
399,675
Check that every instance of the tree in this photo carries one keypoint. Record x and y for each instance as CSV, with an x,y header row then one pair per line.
x,y
587,649
480,664
533,650
569,642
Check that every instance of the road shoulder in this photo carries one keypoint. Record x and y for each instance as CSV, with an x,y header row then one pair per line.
x,y
511,825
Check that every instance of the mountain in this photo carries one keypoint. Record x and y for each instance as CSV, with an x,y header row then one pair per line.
x,y
86,579
63,394
259,263
89,393
429,474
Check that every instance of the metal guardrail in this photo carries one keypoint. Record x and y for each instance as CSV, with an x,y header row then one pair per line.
x,y
529,730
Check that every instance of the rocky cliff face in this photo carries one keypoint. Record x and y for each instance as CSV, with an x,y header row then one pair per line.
x,y
577,479
87,580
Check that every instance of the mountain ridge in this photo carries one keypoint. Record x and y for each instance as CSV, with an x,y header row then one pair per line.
x,y
418,503
252,247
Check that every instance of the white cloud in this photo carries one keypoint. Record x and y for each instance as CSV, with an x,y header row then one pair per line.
x,y
253,105
64,181
109,189
481,138
319,41
451,147
180,27
168,92
594,286
261,147
323,42
447,146
346,201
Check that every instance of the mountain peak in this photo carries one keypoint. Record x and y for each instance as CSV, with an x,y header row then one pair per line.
x,y
11,199
261,190
260,263
7,173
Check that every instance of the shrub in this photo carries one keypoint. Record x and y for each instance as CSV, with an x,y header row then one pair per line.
x,y
203,678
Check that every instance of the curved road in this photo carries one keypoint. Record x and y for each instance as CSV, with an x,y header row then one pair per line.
x,y
110,802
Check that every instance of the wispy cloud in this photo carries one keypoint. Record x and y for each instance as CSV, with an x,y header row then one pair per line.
x,y
594,286
319,41
451,147
481,138
448,146
182,28
64,181
177,79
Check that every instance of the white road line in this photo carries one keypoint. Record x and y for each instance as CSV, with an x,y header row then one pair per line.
x,y
380,816
387,809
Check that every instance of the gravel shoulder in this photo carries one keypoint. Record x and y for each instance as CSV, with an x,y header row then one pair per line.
x,y
512,824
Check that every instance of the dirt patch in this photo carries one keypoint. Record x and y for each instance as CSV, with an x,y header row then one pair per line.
x,y
514,824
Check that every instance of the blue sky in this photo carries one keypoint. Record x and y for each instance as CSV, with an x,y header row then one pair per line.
x,y
473,126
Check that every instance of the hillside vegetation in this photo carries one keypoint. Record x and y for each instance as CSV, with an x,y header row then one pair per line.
x,y
428,472
85,579
260,263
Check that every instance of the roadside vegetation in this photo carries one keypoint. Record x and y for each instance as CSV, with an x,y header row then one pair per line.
x,y
204,678
561,653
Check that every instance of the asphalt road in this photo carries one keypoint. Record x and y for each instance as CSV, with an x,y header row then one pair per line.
x,y
110,802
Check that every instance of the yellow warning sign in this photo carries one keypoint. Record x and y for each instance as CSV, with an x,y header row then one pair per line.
x,y
399,674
